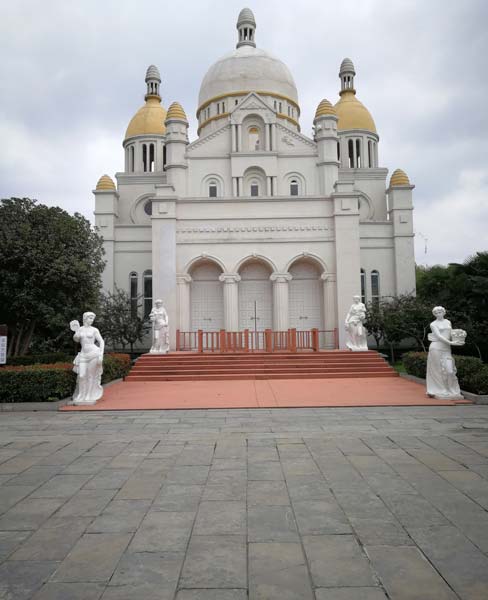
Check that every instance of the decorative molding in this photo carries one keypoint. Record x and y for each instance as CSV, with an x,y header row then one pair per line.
x,y
207,138
280,277
183,278
249,228
229,278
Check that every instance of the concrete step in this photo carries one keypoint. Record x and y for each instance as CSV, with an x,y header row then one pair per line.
x,y
257,376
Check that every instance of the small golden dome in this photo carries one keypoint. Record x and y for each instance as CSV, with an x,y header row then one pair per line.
x,y
324,108
399,178
149,119
105,183
352,113
175,111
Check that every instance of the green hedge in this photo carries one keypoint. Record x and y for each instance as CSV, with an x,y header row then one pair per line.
x,y
44,382
471,371
39,359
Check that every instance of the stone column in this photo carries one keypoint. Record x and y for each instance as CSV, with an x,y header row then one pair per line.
x,y
234,138
234,187
183,295
273,137
231,300
280,300
330,307
239,138
266,137
268,186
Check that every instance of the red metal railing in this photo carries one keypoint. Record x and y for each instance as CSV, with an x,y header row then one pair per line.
x,y
257,341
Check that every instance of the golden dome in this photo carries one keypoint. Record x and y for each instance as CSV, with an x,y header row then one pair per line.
x,y
399,178
324,108
105,183
175,111
352,113
149,119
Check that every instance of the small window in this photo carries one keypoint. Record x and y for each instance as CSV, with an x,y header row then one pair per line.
x,y
338,151
147,286
144,157
350,146
148,208
133,293
358,154
254,189
363,286
293,187
375,286
212,189
132,161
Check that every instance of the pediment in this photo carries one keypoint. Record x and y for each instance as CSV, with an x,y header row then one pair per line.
x,y
252,103
290,141
217,142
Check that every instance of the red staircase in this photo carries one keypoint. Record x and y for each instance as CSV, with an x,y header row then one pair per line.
x,y
259,365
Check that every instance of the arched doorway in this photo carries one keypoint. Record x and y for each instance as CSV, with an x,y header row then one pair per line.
x,y
206,297
255,296
306,296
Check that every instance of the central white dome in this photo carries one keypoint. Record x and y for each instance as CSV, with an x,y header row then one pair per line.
x,y
247,69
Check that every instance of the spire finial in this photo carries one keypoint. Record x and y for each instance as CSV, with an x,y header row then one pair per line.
x,y
246,26
153,81
346,75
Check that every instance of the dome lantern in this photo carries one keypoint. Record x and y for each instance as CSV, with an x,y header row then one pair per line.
x,y
346,75
153,81
246,26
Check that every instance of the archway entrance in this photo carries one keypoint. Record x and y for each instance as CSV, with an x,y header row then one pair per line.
x,y
306,296
255,296
206,298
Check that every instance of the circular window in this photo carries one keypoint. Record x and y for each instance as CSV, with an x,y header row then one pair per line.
x,y
148,207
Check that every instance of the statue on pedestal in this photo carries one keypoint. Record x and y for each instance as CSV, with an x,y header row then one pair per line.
x,y
160,328
356,332
88,364
442,382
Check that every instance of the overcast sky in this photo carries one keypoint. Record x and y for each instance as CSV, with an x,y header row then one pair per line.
x,y
72,76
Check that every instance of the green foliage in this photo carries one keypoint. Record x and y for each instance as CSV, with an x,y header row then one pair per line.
x,y
39,359
115,366
375,321
51,265
48,382
471,372
34,384
119,320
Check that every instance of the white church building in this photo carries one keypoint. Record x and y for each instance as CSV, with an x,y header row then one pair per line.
x,y
254,225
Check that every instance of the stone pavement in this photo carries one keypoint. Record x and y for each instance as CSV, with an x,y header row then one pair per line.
x,y
324,504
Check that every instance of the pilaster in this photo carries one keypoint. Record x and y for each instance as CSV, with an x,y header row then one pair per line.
x,y
183,284
348,263
400,216
231,300
330,306
280,300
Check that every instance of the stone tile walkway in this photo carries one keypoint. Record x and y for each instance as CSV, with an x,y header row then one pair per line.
x,y
324,504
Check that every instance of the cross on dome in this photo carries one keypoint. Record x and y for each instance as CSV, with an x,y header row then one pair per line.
x,y
246,26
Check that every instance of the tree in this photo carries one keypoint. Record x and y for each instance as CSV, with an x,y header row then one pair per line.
x,y
119,320
375,321
50,270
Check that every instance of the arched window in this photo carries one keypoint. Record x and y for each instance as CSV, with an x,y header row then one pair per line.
x,y
253,138
254,187
375,286
133,293
359,161
151,165
351,154
338,151
148,208
132,161
212,189
164,158
363,286
370,153
294,187
147,287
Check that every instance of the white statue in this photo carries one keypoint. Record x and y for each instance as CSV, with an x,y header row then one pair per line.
x,y
160,322
88,364
442,382
354,326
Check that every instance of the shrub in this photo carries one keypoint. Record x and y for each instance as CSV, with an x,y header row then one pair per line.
x,y
36,359
472,373
36,383
46,382
415,363
115,366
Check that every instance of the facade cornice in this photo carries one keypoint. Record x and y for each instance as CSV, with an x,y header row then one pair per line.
x,y
148,178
